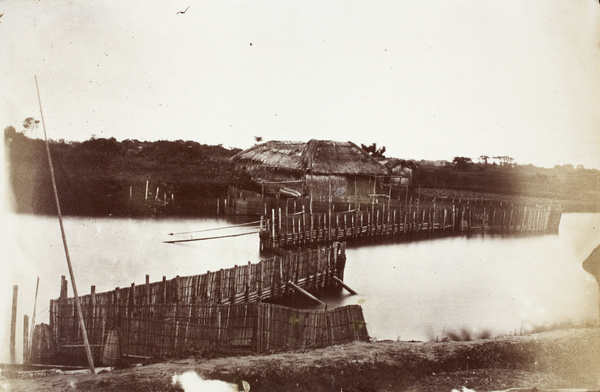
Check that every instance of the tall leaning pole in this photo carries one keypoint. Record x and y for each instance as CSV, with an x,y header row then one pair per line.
x,y
86,343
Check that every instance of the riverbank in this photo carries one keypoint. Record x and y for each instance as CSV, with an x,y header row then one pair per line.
x,y
102,177
550,360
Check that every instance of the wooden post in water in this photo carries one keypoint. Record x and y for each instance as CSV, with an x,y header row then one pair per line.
x,y
279,243
64,288
329,218
92,311
117,305
304,224
272,228
444,220
453,217
470,221
37,286
131,300
13,325
147,290
25,339
293,241
259,281
247,275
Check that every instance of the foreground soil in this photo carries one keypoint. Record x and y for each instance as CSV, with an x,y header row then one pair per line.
x,y
563,359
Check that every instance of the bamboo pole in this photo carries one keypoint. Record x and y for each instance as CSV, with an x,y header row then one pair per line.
x,y
210,238
37,286
91,311
25,339
344,285
13,325
147,290
305,293
62,229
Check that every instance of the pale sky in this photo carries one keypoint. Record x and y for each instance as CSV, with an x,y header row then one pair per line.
x,y
427,79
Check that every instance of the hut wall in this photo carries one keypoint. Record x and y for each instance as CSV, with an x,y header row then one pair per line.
x,y
365,186
322,186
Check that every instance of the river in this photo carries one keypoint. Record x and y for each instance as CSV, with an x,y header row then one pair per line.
x,y
410,291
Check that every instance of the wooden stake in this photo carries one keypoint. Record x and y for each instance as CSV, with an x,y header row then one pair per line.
x,y
37,286
147,290
26,339
64,288
13,325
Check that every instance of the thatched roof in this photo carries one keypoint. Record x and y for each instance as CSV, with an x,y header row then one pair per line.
x,y
278,155
346,158
317,157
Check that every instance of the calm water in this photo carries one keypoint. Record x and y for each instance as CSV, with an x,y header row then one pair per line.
x,y
421,290
409,291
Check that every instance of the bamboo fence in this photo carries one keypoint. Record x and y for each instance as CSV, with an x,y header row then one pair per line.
x,y
183,329
281,230
221,309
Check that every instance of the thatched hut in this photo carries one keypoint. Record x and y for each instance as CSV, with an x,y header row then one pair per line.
x,y
319,168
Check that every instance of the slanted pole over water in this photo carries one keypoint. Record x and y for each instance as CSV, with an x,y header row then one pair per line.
x,y
64,238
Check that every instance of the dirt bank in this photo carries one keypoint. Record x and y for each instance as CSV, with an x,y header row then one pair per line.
x,y
557,359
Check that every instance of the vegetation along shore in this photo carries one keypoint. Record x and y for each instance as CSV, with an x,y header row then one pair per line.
x,y
101,177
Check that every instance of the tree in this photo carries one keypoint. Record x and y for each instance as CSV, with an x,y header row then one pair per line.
x,y
29,124
484,159
373,151
462,163
505,160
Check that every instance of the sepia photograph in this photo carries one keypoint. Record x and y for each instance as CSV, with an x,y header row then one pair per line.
x,y
234,195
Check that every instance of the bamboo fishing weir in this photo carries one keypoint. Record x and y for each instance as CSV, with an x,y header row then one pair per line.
x,y
380,221
324,190
221,310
